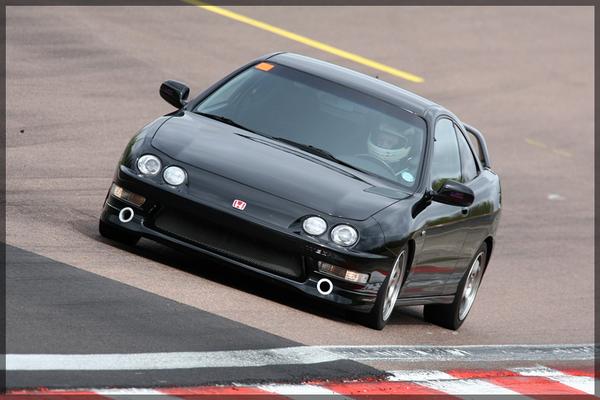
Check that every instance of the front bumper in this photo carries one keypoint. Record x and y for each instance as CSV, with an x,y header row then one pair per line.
x,y
162,201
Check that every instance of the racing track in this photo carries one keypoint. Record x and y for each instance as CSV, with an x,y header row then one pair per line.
x,y
81,81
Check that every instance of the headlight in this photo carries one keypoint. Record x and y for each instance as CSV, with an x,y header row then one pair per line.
x,y
149,165
344,235
174,175
314,226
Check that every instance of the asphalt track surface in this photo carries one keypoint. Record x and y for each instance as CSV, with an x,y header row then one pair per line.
x,y
58,309
82,80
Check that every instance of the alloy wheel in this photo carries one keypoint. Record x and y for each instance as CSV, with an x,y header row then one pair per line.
x,y
393,288
471,287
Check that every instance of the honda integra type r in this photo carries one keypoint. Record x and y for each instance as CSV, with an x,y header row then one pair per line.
x,y
336,184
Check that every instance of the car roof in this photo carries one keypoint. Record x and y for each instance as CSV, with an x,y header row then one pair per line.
x,y
356,80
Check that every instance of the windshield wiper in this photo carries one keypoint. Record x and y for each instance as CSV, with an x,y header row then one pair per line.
x,y
224,120
317,151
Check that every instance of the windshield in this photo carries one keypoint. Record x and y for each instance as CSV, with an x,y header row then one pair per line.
x,y
323,117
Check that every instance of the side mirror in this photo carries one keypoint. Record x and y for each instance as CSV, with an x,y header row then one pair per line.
x,y
454,194
175,93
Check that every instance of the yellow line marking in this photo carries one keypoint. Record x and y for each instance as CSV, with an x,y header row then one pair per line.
x,y
543,146
535,143
562,152
307,41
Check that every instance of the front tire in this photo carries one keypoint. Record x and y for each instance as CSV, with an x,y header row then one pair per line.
x,y
119,235
388,293
451,316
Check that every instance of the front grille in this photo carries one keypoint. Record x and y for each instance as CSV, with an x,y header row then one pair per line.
x,y
231,243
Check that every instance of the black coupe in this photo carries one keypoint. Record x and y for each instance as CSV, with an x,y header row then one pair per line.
x,y
335,183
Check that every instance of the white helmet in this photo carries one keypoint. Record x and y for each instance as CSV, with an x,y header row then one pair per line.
x,y
388,144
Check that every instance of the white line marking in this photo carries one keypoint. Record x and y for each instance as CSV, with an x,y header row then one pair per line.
x,y
300,391
123,394
418,375
449,384
145,361
462,387
293,356
469,353
583,383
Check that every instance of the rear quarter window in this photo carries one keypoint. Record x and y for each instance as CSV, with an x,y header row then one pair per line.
x,y
472,139
467,160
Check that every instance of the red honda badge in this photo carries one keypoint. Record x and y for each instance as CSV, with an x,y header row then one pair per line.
x,y
239,204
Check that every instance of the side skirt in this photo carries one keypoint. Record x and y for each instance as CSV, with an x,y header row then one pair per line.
x,y
415,301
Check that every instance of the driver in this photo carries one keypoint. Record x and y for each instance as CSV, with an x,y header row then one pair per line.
x,y
392,145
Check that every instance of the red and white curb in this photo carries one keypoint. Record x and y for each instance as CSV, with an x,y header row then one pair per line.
x,y
533,382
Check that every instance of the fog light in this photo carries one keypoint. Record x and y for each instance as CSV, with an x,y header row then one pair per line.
x,y
343,273
127,196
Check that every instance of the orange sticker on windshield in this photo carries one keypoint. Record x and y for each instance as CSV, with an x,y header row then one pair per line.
x,y
263,66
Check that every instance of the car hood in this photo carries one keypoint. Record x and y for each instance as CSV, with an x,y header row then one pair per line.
x,y
271,167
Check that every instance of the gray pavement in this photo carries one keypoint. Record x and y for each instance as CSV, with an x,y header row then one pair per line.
x,y
54,310
82,80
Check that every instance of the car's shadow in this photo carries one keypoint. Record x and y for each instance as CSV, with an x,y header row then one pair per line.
x,y
244,280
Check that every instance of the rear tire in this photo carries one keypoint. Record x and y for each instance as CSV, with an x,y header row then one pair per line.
x,y
388,293
451,316
119,235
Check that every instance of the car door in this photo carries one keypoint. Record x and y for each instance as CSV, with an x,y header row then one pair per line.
x,y
478,216
440,227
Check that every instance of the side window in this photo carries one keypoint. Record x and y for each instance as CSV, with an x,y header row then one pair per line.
x,y
475,146
445,164
467,161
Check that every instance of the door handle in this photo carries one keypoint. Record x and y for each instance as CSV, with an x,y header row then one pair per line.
x,y
464,211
